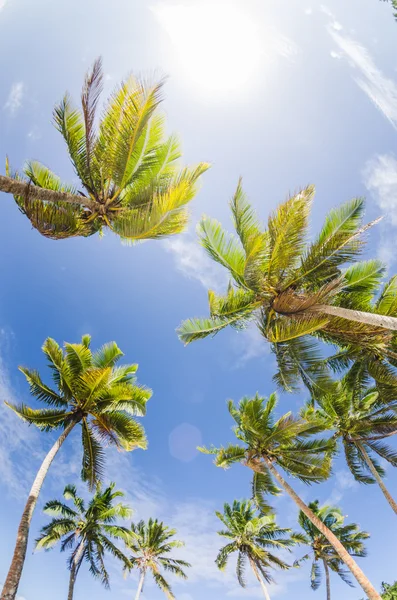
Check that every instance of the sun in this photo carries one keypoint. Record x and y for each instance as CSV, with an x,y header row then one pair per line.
x,y
217,44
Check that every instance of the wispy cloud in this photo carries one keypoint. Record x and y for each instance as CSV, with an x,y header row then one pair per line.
x,y
343,482
249,344
2,4
380,89
14,100
380,179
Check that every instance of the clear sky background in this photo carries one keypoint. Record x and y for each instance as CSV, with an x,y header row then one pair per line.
x,y
282,92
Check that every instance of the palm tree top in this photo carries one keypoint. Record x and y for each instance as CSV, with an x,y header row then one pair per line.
x,y
126,164
289,441
298,292
87,530
90,389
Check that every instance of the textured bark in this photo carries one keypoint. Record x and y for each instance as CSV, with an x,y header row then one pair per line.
x,y
259,578
28,190
333,540
327,580
376,475
357,315
75,569
15,571
140,586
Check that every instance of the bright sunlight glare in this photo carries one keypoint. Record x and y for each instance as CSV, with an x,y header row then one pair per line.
x,y
218,45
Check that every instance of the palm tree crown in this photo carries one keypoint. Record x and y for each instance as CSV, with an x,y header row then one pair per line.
x,y
297,292
88,531
93,391
126,165
253,538
150,544
322,553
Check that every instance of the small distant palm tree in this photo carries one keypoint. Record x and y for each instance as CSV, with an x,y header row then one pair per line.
x,y
297,292
253,538
322,553
126,165
150,544
92,392
361,417
88,531
288,443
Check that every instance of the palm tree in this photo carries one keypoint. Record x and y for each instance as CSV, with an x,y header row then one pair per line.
x,y
322,553
96,394
360,417
296,291
394,5
88,531
149,544
287,443
254,538
126,165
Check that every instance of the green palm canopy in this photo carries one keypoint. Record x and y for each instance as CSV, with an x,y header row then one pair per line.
x,y
322,553
299,292
127,167
254,539
87,531
150,545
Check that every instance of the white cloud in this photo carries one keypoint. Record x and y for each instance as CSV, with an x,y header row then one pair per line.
x,y
381,90
343,482
308,11
2,4
249,344
192,261
14,100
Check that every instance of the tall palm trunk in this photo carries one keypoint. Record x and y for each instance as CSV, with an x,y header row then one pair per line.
x,y
140,585
327,580
28,190
356,315
376,475
259,578
75,569
15,571
333,540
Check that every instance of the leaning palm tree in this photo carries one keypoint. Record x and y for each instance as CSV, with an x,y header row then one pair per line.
x,y
87,531
253,538
149,544
286,443
93,393
297,292
361,417
322,553
126,165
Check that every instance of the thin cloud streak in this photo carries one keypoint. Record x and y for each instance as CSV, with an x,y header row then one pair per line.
x,y
14,100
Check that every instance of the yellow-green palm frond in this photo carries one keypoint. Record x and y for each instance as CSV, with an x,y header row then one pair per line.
x,y
237,302
284,329
387,303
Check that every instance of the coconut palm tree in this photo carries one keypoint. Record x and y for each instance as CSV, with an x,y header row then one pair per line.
x,y
88,531
361,417
322,553
287,443
149,544
297,292
126,165
93,393
253,538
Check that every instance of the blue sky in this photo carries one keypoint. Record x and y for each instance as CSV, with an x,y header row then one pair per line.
x,y
284,93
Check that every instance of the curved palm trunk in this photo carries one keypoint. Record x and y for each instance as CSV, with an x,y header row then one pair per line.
x,y
259,578
75,569
376,475
140,585
15,571
28,190
333,540
327,580
357,315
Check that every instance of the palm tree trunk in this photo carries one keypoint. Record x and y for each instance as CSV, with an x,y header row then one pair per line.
x,y
15,571
378,478
28,190
259,578
75,569
333,540
356,315
327,580
140,586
